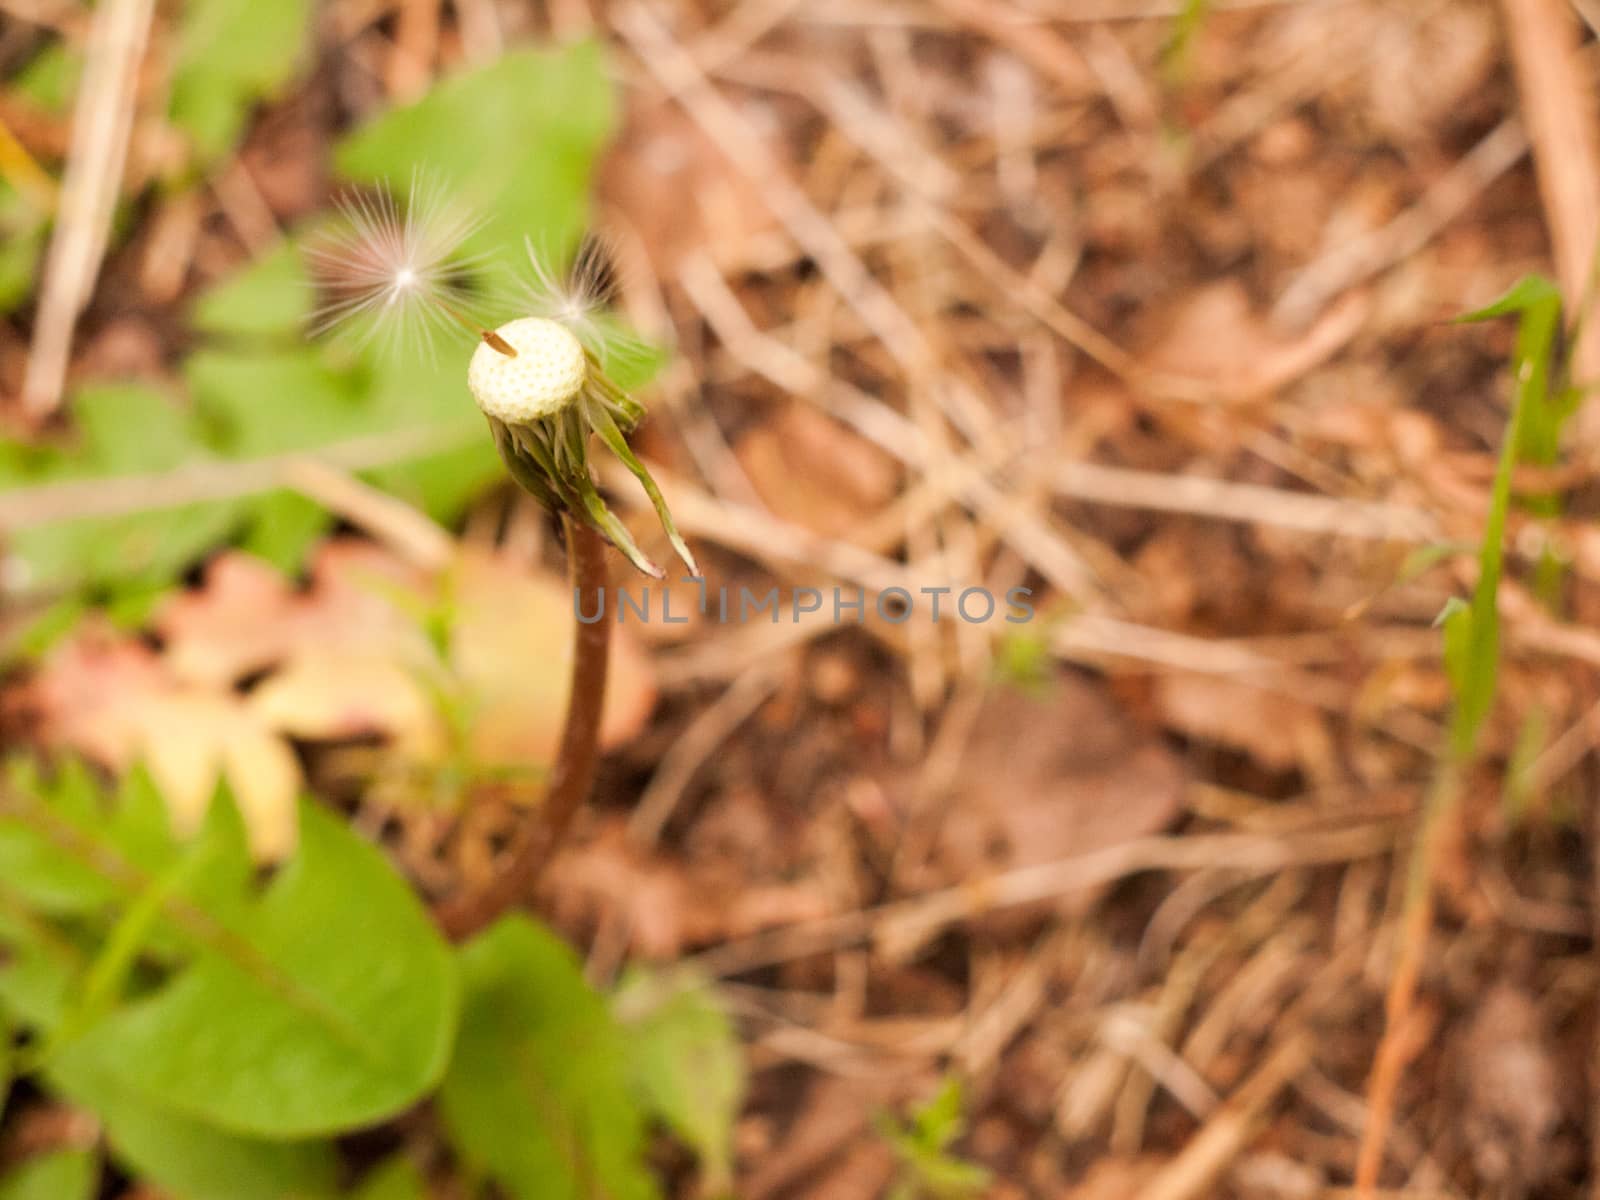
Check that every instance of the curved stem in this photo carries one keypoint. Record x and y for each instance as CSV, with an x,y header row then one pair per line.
x,y
573,773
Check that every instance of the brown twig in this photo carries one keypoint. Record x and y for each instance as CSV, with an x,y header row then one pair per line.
x,y
1558,109
573,772
102,124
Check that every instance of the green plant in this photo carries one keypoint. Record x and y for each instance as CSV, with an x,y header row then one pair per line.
x,y
1179,46
543,383
148,480
225,1029
929,1169
1471,635
226,1026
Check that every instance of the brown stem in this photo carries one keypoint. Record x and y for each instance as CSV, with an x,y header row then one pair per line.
x,y
573,773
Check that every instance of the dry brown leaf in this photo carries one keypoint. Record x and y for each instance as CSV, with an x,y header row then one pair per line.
x,y
813,471
351,657
346,657
1216,336
1281,734
246,617
113,700
511,652
1055,777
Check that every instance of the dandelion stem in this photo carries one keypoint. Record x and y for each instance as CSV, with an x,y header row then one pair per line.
x,y
572,776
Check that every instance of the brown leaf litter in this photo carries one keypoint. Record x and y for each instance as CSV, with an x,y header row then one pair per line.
x,y
248,664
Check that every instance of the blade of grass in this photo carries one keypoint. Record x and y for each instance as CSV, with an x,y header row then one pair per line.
x,y
1472,659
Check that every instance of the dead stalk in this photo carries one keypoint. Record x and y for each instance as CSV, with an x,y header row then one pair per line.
x,y
572,775
1401,1041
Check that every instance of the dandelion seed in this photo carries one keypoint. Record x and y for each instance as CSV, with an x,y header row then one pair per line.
x,y
580,298
541,379
396,273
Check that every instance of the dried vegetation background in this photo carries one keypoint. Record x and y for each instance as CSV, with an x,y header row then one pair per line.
x,y
1144,305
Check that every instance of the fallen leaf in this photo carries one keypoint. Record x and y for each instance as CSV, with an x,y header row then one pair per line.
x,y
332,698
1278,732
349,656
246,617
113,700
1054,777
247,662
1216,336
511,652
813,471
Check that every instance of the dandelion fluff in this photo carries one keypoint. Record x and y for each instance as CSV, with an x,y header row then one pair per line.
x,y
543,379
400,272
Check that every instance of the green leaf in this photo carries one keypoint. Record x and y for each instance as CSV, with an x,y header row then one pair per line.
x,y
275,401
537,1094
283,527
34,866
270,297
1518,790
22,239
1178,50
232,53
1529,292
412,389
941,1121
1424,558
50,79
514,141
211,873
685,1061
48,981
1472,636
39,966
66,850
928,1168
188,1158
7,1057
396,1179
124,429
59,1175
329,1005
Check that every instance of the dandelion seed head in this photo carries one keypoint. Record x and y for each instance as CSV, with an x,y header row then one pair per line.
x,y
547,374
391,271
